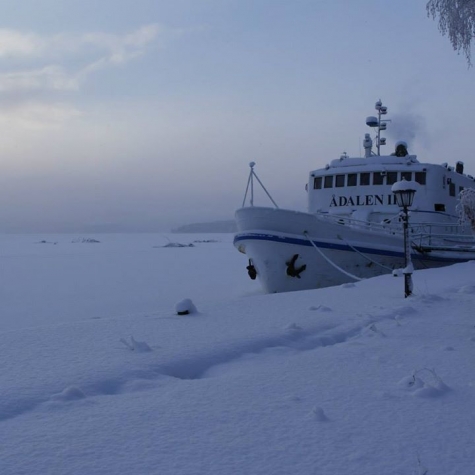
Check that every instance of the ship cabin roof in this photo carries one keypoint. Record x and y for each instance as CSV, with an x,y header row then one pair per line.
x,y
373,162
387,163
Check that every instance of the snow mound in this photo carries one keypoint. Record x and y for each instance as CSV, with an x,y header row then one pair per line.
x,y
185,307
320,308
85,241
176,244
467,289
71,393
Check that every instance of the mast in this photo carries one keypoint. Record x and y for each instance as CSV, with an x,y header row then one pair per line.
x,y
378,124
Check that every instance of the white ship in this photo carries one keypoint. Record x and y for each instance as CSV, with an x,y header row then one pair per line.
x,y
353,227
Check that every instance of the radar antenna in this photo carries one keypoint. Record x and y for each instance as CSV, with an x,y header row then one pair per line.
x,y
378,124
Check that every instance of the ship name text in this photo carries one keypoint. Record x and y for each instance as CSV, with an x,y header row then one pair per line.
x,y
363,200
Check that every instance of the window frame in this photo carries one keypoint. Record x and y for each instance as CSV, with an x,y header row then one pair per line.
x,y
328,178
318,183
420,177
452,189
378,174
338,183
367,175
391,177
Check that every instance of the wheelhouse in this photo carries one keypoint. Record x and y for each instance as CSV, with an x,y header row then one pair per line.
x,y
361,187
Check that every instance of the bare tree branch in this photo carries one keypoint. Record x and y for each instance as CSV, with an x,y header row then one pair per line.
x,y
457,21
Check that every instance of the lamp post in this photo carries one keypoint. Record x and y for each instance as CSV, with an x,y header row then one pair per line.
x,y
404,191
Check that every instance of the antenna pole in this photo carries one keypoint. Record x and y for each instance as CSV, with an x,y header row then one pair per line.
x,y
378,142
250,184
381,125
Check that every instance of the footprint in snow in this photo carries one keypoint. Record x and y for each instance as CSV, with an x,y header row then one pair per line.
x,y
320,308
431,298
134,345
293,399
429,387
319,415
372,330
293,327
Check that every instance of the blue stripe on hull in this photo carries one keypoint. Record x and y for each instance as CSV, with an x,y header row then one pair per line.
x,y
340,247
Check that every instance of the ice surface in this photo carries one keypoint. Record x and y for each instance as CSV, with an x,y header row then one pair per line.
x,y
344,380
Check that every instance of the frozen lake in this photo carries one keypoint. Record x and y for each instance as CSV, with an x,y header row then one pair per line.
x,y
100,376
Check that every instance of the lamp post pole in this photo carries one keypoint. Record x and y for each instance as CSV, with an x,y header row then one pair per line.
x,y
407,255
404,192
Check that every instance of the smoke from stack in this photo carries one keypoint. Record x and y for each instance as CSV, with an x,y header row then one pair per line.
x,y
407,127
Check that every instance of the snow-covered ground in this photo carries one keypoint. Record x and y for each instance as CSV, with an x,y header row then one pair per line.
x,y
100,376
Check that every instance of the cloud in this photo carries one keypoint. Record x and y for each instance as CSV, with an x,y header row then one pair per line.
x,y
97,50
17,44
36,115
14,43
59,64
137,39
47,78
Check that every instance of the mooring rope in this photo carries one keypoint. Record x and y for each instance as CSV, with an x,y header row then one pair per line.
x,y
329,260
363,255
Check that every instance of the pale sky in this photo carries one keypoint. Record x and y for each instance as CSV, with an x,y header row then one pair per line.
x,y
143,115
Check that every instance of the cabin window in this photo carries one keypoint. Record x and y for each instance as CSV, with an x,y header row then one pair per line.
x,y
420,178
460,189
391,178
328,183
364,179
378,178
452,188
317,183
352,179
339,181
406,176
439,207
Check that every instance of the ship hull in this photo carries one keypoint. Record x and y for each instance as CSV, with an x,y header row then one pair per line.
x,y
328,253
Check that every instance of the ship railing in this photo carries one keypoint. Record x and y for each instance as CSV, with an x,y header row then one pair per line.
x,y
450,235
439,234
391,226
